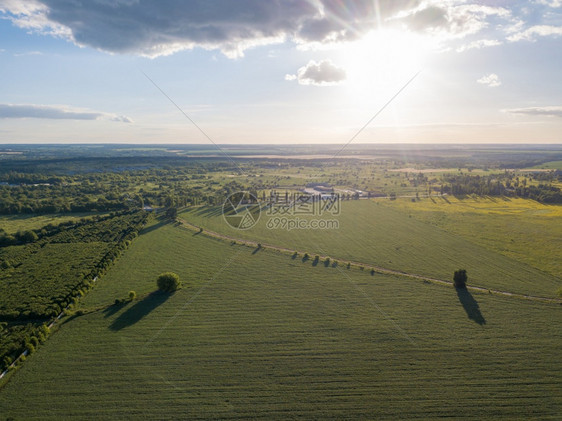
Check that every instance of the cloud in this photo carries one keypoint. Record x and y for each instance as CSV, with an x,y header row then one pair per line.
x,y
533,32
154,28
481,43
452,19
323,73
28,53
492,80
551,111
56,112
550,3
161,27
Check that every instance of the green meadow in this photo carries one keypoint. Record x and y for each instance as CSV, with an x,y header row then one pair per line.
x,y
378,232
258,334
522,229
15,223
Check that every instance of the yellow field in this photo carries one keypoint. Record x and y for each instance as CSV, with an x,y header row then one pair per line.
x,y
523,229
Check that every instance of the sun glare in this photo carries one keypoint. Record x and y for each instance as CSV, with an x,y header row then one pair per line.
x,y
383,60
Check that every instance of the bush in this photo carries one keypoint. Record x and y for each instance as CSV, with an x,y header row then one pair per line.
x,y
132,295
559,292
459,278
168,282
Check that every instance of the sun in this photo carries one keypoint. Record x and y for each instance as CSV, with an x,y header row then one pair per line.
x,y
383,60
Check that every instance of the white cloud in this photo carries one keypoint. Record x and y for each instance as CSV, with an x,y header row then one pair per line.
x,y
323,73
550,111
56,112
533,32
550,3
481,43
492,80
28,53
452,19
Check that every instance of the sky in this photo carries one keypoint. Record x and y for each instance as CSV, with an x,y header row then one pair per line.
x,y
280,71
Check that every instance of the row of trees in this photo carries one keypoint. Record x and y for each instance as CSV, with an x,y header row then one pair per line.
x,y
506,184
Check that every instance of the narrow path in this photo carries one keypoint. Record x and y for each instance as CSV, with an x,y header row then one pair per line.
x,y
377,269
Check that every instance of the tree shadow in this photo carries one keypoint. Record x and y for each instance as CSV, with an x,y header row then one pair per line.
x,y
139,310
471,306
114,308
155,226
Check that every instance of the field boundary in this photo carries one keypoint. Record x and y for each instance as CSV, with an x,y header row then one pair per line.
x,y
377,269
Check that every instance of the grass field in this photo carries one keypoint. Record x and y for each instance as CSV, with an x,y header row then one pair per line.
x,y
552,165
15,223
260,335
522,229
376,233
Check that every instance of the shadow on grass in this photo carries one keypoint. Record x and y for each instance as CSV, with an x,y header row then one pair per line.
x,y
114,308
471,306
209,211
139,310
155,226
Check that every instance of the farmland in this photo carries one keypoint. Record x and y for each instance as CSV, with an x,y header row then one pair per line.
x,y
286,340
43,277
380,234
14,223
525,230
280,327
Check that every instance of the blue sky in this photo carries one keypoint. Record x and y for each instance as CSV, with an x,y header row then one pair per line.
x,y
281,71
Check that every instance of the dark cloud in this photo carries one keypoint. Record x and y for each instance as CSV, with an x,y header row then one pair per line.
x,y
324,73
56,112
159,27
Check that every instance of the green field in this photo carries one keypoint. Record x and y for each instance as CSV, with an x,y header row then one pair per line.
x,y
260,335
14,223
552,165
376,233
525,230
40,279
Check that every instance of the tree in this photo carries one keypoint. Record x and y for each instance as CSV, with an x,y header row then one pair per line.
x,y
168,282
172,212
132,295
459,278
